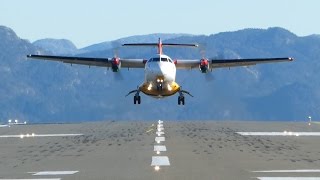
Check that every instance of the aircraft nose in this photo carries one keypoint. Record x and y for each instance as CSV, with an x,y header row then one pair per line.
x,y
155,68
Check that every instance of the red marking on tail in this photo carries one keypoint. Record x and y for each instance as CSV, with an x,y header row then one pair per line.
x,y
160,46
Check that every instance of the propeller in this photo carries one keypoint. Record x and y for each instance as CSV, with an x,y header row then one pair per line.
x,y
208,76
118,76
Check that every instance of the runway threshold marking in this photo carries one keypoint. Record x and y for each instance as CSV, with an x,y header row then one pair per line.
x,y
38,135
285,133
53,173
290,171
288,178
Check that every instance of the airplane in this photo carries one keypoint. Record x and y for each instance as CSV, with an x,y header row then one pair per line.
x,y
160,70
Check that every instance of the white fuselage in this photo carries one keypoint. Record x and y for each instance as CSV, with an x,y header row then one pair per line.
x,y
160,75
160,66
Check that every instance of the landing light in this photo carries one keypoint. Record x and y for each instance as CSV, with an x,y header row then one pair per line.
x,y
158,152
158,80
169,87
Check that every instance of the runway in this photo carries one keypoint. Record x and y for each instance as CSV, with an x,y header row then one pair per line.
x,y
209,150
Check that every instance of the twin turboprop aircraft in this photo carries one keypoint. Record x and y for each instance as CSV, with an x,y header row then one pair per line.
x,y
160,70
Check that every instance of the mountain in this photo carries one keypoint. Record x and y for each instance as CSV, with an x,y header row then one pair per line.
x,y
56,46
42,91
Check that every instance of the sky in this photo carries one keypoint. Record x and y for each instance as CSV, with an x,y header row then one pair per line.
x,y
88,22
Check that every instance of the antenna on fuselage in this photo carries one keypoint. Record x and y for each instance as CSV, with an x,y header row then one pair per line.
x,y
159,45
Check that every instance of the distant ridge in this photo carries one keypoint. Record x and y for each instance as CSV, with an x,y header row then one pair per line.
x,y
38,91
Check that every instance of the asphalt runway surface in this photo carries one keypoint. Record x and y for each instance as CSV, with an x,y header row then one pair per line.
x,y
212,150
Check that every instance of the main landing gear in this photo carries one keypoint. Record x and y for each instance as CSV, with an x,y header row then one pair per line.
x,y
136,97
181,97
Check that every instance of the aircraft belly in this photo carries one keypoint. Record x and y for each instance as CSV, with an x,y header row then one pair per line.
x,y
159,93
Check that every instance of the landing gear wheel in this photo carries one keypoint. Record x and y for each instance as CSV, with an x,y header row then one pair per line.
x,y
180,100
136,99
139,100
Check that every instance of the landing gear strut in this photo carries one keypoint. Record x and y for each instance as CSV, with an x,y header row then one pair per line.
x,y
181,97
136,97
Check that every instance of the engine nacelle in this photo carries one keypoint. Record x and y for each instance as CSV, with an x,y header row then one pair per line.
x,y
204,65
115,64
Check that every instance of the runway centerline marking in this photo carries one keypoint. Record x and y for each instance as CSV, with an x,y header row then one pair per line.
x,y
160,148
159,139
160,161
53,173
285,133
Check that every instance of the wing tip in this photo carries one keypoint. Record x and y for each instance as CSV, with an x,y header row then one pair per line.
x,y
291,58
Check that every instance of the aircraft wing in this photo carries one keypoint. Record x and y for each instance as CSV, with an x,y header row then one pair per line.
x,y
104,62
223,63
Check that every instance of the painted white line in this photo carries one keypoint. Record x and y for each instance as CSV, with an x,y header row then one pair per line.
x,y
290,171
288,178
3,126
38,135
160,161
53,173
160,133
285,133
159,148
160,126
160,122
159,139
160,129
35,179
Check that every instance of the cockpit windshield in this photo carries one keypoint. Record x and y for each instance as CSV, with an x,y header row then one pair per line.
x,y
163,59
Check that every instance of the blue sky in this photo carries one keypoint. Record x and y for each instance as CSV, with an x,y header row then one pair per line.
x,y
87,22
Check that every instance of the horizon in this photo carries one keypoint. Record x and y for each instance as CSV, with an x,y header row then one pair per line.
x,y
98,21
133,35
